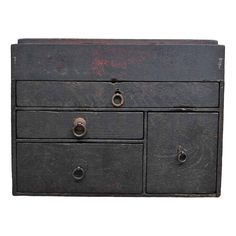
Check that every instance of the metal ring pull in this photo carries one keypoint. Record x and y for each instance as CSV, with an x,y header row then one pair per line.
x,y
79,128
117,99
78,173
182,157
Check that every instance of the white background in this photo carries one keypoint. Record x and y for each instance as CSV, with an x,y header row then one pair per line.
x,y
187,19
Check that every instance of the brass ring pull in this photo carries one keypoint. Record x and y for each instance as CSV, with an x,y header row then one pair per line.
x,y
182,157
79,128
117,99
78,173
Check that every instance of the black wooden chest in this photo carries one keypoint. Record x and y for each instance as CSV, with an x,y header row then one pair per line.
x,y
117,117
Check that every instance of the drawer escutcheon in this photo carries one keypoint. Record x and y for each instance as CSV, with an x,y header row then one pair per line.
x,y
79,128
117,99
78,173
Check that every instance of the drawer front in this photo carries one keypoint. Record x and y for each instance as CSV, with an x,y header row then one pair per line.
x,y
127,94
182,153
79,168
123,62
98,125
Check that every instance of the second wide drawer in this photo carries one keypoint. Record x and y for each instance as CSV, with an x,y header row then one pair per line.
x,y
97,125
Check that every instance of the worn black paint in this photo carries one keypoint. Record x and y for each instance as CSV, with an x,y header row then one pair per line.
x,y
173,104
123,62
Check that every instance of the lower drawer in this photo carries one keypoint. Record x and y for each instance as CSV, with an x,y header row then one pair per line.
x,y
79,168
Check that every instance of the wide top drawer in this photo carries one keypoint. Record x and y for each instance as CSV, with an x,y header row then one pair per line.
x,y
123,62
117,95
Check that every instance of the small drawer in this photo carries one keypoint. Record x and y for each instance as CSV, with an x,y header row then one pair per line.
x,y
117,95
94,125
54,168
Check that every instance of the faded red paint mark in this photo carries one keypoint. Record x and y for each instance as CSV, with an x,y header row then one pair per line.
x,y
117,59
119,64
99,65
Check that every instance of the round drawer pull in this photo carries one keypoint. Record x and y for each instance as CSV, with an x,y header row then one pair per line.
x,y
117,99
79,128
182,157
78,173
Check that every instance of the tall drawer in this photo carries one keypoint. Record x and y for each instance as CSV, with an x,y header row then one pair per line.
x,y
97,125
124,94
79,168
182,152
